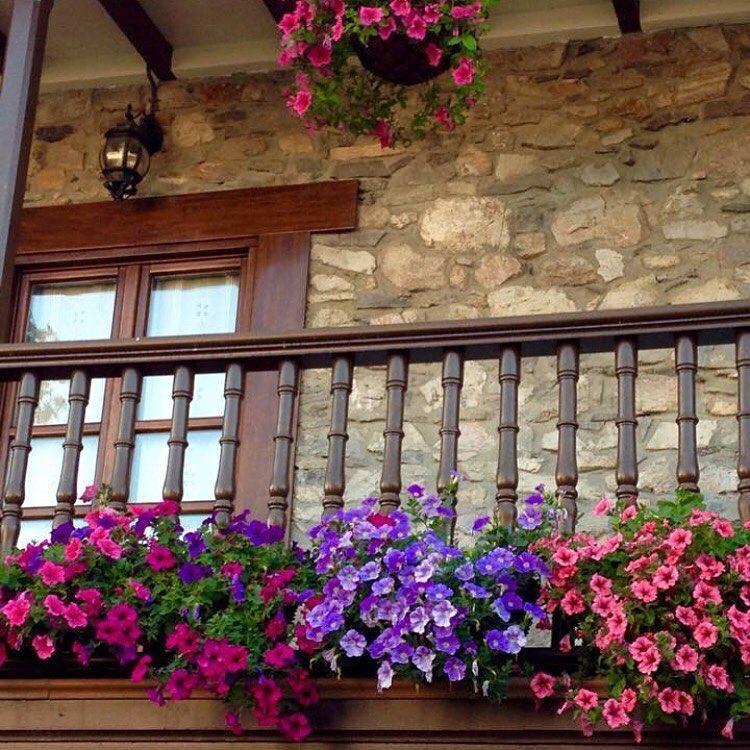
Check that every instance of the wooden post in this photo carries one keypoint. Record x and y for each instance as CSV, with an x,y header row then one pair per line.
x,y
686,365
626,368
18,98
278,493
338,435
566,472
393,435
507,458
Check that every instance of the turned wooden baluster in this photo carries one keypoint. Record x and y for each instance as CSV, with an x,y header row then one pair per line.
x,y
67,489
743,418
335,481
686,364
282,458
453,379
390,478
507,459
225,488
182,395
130,395
626,368
15,483
566,472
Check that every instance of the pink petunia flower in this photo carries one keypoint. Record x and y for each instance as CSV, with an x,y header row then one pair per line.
x,y
705,634
615,714
717,677
572,603
44,646
686,659
416,28
588,700
140,671
542,685
434,54
51,573
369,15
463,73
17,610
319,55
603,507
644,590
665,577
400,7
300,102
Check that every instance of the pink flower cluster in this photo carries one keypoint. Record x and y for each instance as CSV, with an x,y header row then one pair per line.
x,y
316,39
652,646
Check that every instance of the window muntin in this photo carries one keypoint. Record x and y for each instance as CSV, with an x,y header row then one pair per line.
x,y
178,306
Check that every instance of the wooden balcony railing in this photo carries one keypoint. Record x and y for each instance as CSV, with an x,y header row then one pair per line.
x,y
506,340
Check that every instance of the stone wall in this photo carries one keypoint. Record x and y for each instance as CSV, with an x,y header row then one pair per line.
x,y
602,174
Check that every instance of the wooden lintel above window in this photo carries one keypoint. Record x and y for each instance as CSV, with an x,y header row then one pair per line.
x,y
226,215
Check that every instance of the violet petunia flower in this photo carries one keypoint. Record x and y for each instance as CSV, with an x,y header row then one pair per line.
x,y
455,669
353,643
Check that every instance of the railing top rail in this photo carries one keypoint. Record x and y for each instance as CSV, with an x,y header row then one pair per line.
x,y
535,335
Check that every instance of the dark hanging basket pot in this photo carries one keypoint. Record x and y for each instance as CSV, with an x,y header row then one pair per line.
x,y
399,59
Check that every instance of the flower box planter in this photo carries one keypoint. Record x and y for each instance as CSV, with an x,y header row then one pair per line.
x,y
111,713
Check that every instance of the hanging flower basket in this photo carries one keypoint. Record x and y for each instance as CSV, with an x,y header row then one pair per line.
x,y
400,60
396,69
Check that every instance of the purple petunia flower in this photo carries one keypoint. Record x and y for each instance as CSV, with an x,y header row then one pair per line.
x,y
424,571
369,571
192,572
383,586
465,572
475,591
415,490
418,619
535,498
509,641
442,613
195,543
394,560
446,641
500,609
455,669
238,589
349,578
480,523
385,675
61,534
436,592
422,659
353,643
530,518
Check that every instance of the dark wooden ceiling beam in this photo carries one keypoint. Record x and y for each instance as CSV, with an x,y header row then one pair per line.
x,y
628,15
143,34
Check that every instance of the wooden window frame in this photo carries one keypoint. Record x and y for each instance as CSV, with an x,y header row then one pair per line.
x,y
262,232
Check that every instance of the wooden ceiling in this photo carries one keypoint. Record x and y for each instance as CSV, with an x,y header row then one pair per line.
x,y
105,42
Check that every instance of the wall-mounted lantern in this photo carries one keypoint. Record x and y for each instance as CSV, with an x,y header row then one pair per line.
x,y
126,155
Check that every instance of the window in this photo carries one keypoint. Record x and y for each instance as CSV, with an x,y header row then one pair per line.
x,y
155,299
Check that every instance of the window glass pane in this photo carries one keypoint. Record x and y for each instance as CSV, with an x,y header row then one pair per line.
x,y
185,305
192,521
75,311
53,402
45,462
150,465
156,396
34,530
